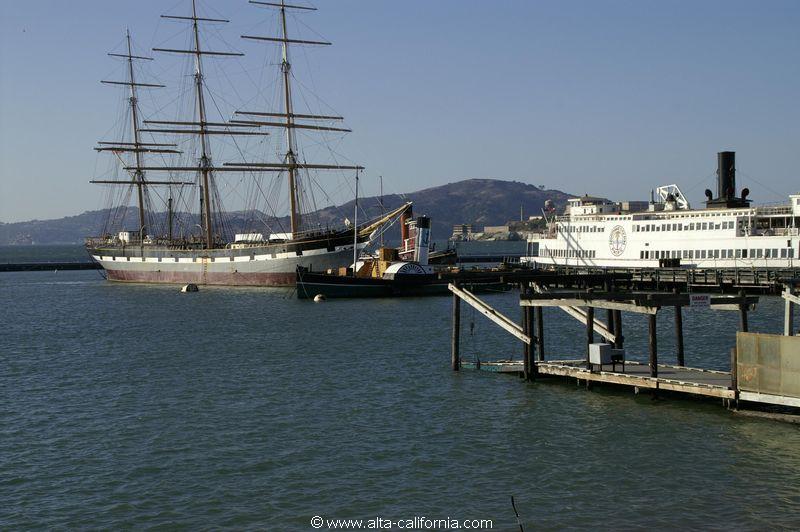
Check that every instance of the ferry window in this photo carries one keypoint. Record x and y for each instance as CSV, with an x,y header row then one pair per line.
x,y
705,226
691,227
691,253
744,253
702,254
759,253
767,253
680,227
791,253
783,253
774,253
641,254
716,253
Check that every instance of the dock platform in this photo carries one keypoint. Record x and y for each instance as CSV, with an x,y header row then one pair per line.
x,y
686,380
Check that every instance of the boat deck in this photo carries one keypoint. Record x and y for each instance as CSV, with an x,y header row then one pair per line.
x,y
693,381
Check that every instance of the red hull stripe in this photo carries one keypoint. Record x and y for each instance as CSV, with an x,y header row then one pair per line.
x,y
226,279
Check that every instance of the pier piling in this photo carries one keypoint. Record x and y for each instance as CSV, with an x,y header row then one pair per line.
x,y
743,312
455,357
618,342
539,332
653,345
589,332
679,333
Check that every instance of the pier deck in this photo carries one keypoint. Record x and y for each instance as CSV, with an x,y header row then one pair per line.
x,y
693,381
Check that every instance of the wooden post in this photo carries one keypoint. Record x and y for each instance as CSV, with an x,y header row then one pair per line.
x,y
589,331
527,327
455,358
610,316
526,347
679,333
788,314
653,346
618,329
743,312
540,332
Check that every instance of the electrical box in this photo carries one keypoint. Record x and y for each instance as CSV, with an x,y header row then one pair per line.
x,y
600,354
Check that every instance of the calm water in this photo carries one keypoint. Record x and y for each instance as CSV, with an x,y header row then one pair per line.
x,y
133,406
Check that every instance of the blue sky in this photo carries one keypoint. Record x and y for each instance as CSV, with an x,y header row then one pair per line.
x,y
604,97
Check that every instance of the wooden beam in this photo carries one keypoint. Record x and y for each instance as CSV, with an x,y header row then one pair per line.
x,y
195,52
292,125
630,307
282,6
577,313
787,295
199,19
280,39
490,313
292,115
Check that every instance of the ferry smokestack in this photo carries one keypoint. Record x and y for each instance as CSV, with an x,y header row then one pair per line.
x,y
726,175
726,184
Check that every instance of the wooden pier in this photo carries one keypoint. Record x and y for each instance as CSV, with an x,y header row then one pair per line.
x,y
764,368
692,381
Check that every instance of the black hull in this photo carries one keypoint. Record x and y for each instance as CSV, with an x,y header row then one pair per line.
x,y
310,285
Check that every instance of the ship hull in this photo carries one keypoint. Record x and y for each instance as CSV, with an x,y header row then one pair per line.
x,y
253,266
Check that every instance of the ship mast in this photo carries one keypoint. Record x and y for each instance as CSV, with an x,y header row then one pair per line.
x,y
201,126
139,174
290,158
205,161
290,163
137,146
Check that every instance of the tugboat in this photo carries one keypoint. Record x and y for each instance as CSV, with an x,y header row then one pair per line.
x,y
392,272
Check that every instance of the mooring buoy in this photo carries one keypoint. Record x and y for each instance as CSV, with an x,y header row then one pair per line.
x,y
319,298
191,287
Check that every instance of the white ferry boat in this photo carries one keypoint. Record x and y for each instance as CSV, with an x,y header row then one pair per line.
x,y
668,232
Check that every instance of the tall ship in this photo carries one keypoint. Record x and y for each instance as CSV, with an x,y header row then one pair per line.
x,y
668,232
179,230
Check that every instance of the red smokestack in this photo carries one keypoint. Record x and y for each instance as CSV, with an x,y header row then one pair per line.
x,y
405,217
